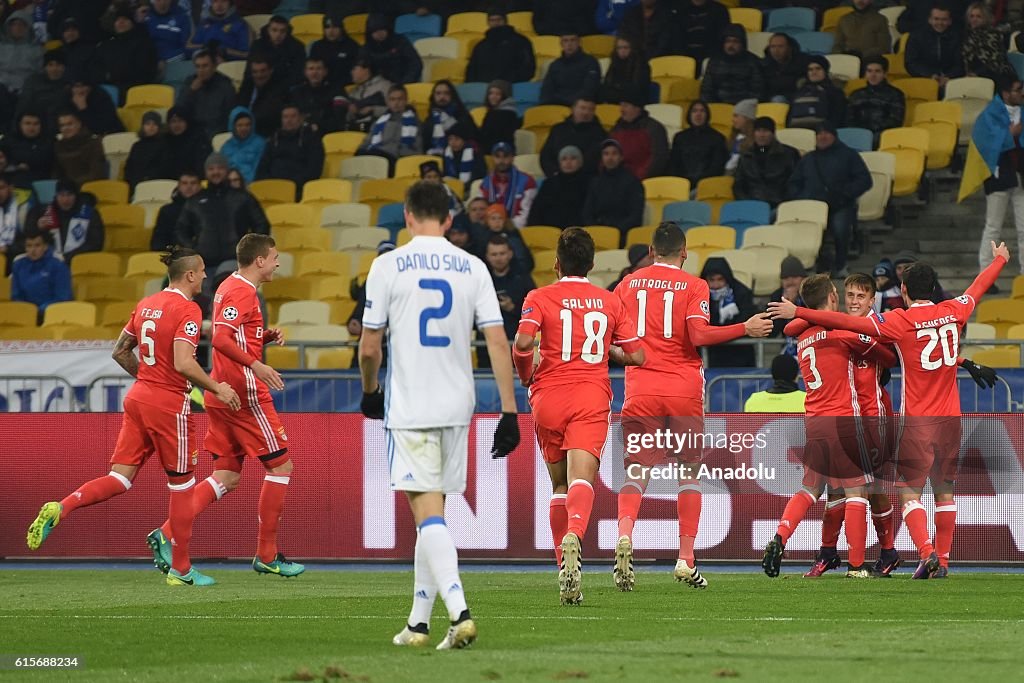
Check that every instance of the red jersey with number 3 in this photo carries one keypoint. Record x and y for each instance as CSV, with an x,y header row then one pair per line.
x,y
828,363
577,323
237,307
157,323
661,298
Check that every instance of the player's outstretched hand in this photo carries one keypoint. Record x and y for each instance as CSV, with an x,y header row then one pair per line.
x,y
1001,250
759,325
268,375
226,395
372,405
782,310
506,436
984,376
274,335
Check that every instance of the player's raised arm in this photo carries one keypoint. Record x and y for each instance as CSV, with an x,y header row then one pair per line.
x,y
988,277
124,353
785,309
186,364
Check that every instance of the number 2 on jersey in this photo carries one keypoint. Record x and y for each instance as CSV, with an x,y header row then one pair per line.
x,y
595,325
435,312
147,347
641,318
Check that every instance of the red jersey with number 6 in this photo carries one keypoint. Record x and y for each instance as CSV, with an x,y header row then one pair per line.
x,y
157,323
577,323
237,307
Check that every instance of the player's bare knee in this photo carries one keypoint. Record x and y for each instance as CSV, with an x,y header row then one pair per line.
x,y
126,471
284,468
228,479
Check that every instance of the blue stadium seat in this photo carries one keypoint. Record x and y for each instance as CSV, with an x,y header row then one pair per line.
x,y
292,8
472,94
815,42
44,190
745,213
414,27
1017,62
391,216
687,214
115,94
790,19
859,139
176,73
526,94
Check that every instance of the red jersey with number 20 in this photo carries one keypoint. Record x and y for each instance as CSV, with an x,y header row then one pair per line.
x,y
157,323
237,307
577,323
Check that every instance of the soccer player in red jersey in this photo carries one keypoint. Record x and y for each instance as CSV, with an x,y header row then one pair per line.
x,y
157,413
581,327
833,451
927,339
670,307
255,430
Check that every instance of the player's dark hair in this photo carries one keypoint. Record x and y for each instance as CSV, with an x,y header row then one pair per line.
x,y
251,247
920,280
669,239
575,252
179,260
815,290
427,201
861,281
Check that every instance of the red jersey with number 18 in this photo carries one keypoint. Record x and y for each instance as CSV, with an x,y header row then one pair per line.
x,y
237,307
157,323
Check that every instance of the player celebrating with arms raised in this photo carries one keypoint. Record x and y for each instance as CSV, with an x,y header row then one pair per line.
x,y
157,411
570,393
429,294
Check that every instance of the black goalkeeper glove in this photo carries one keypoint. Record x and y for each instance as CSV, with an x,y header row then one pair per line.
x,y
984,376
506,436
372,405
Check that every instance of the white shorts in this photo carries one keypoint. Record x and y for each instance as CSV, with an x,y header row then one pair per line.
x,y
428,459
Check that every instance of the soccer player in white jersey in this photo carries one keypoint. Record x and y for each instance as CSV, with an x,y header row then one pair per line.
x,y
429,294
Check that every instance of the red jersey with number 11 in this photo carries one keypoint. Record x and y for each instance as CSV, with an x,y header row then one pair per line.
x,y
237,307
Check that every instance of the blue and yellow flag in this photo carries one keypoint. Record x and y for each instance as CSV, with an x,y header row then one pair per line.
x,y
990,138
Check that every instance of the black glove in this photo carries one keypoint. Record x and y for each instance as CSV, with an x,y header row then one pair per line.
x,y
885,378
506,436
372,405
984,376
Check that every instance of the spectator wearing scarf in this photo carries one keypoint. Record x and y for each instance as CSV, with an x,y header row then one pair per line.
x,y
77,226
461,158
509,186
446,110
395,134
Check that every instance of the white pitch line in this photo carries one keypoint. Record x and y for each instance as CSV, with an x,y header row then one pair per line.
x,y
373,617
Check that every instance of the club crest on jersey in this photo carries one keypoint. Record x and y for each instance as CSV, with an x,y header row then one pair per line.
x,y
963,298
865,338
704,308
230,313
368,305
195,456
280,432
191,329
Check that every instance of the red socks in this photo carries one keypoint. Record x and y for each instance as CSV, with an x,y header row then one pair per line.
x,y
794,513
559,520
885,528
856,529
275,486
630,497
916,520
688,503
945,522
205,492
578,504
832,523
180,516
95,491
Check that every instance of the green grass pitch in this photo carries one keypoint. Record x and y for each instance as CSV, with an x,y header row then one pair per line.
x,y
130,626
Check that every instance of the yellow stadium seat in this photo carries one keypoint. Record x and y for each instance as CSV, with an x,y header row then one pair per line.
x,y
5,289
325,263
853,85
147,263
694,261
107,192
681,91
776,111
409,167
540,236
766,266
673,66
283,357
365,239
71,313
916,91
749,18
235,71
1002,314
715,191
882,166
102,291
355,26
377,193
125,242
1015,332
766,236
275,191
721,118
897,66
98,263
598,45
419,97
154,191
521,22
308,27
289,216
998,357
337,147
339,358
364,260
152,96
662,190
805,240
467,22
605,237
642,234
546,47
90,333
608,114
830,18
478,114
277,292
17,314
453,70
810,210
844,68
117,313
29,333
297,241
942,121
403,237
130,216
711,237
909,146
331,287
541,118
116,148
327,191
303,313
1017,290
740,261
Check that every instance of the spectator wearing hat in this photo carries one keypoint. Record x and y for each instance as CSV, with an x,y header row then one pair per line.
x,y
222,31
907,258
700,23
818,99
264,94
698,151
396,133
888,296
316,98
580,129
878,105
575,74
209,94
169,25
462,158
20,54
78,53
734,74
616,196
46,90
336,50
744,113
628,68
286,53
367,98
784,66
186,146
71,218
128,58
730,301
863,32
40,278
639,256
935,51
294,152
791,275
502,119
835,174
497,222
391,54
29,151
765,165
509,187
145,160
503,54
561,197
78,154
784,396
444,111
244,148
643,140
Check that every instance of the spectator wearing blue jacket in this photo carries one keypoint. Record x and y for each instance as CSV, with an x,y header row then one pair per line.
x,y
223,31
608,15
40,278
244,148
170,26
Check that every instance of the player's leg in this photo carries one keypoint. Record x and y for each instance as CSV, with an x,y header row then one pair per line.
x,y
549,419
943,477
688,419
640,418
856,530
883,517
813,485
579,503
558,518
630,496
268,559
831,525
913,464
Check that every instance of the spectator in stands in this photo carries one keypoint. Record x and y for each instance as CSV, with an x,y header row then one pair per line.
x,y
1003,187
236,180
209,94
575,74
918,14
72,219
244,148
128,57
907,258
169,24
628,68
644,141
145,160
783,396
511,282
888,296
734,74
316,96
391,54
264,94
863,32
878,105
292,153
984,46
337,51
934,51
214,219
502,119
11,221
791,275
462,159
649,25
223,31
430,171
78,53
818,99
564,17
743,116
698,151
610,13
835,174
701,24
357,290
40,278
508,186
19,53
29,152
497,222
561,197
46,90
639,256
95,108
503,54
446,109
615,197
397,132
185,144
167,217
731,301
765,166
784,66
367,99
459,235
78,154
582,130
286,53
86,12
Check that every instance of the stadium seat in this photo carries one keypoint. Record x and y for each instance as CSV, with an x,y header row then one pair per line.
x,y
152,96
909,146
303,313
542,117
521,21
673,66
376,193
285,264
681,91
116,148
687,214
107,191
291,216
5,289
844,68
973,94
298,241
403,237
283,357
526,95
453,70
530,164
800,139
257,21
715,191
720,114
608,265
1017,289
1002,314
854,85
892,14
608,114
337,358
154,191
118,216
355,26
998,357
235,71
540,236
324,263
409,167
89,333
472,94
668,115
278,291
419,97
364,168
366,238
766,236
815,42
745,213
106,290
44,190
776,111
349,214
757,42
810,210
830,18
791,20
641,234
414,26
30,333
326,191
432,50
391,216
765,269
711,237
308,28
882,166
916,91
96,264
467,22
70,313
986,331
1015,332
742,264
663,190
17,314
752,20
546,48
275,191
859,139
598,44
804,240
694,261
525,142
145,264
942,121
605,237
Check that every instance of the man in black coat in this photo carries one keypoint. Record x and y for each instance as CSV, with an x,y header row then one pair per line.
x,y
560,199
765,167
734,74
336,50
504,53
573,75
127,58
580,129
292,153
208,94
391,54
616,196
730,302
699,26
934,51
46,90
264,95
285,52
167,219
315,97
784,66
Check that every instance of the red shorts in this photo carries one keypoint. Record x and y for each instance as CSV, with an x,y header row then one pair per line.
x,y
255,431
645,417
838,451
147,429
929,447
568,418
